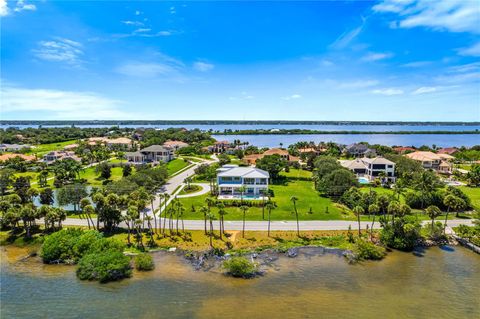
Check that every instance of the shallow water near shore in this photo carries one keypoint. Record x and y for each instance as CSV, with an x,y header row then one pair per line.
x,y
436,282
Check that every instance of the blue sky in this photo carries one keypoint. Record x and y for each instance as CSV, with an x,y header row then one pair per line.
x,y
328,60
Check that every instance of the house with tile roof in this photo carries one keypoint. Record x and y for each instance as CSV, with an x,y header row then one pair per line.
x,y
371,168
152,154
429,160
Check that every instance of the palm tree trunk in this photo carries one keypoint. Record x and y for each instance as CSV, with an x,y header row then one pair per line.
x,y
359,228
269,213
371,228
211,233
445,223
243,227
205,222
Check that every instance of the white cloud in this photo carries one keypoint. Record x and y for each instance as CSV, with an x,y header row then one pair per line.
x,y
326,62
463,73
376,56
22,6
345,38
424,89
3,8
59,104
292,97
203,66
449,15
173,10
137,13
146,70
358,84
142,30
416,64
135,23
60,50
474,50
387,91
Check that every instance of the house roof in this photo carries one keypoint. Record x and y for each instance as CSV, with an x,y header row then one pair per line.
x,y
447,150
155,148
353,164
222,143
133,154
119,140
423,156
377,160
5,157
277,151
307,150
357,146
402,149
175,144
251,172
15,146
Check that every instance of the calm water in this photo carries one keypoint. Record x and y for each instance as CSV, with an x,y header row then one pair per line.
x,y
442,140
326,127
440,283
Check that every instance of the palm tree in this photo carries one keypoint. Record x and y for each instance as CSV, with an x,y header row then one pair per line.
x,y
453,203
244,210
151,241
211,218
294,200
204,210
433,212
358,210
221,213
270,206
241,189
373,209
393,209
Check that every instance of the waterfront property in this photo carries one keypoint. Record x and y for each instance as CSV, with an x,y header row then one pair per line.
x,y
175,144
232,178
13,147
430,160
371,168
252,159
359,150
152,154
53,156
122,143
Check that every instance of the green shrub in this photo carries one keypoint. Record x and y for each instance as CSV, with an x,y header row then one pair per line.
x,y
239,267
402,235
365,250
108,265
144,262
59,247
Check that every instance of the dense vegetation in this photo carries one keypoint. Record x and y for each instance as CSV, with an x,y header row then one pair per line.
x,y
240,267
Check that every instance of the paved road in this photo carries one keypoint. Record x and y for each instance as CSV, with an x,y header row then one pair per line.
x,y
281,225
205,189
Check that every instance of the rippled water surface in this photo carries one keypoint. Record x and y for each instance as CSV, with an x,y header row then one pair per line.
x,y
437,283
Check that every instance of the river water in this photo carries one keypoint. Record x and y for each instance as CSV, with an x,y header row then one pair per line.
x,y
436,283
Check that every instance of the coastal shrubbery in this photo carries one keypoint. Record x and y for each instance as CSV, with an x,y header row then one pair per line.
x,y
98,258
144,262
403,233
366,250
240,267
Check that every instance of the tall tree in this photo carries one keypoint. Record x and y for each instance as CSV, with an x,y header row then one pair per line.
x,y
244,210
270,206
358,211
294,200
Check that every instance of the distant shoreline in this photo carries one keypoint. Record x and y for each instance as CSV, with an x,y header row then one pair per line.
x,y
316,132
228,122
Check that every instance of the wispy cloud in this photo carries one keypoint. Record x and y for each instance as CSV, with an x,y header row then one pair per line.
x,y
59,104
60,50
473,50
160,65
376,56
173,10
387,91
134,23
346,38
21,5
463,73
424,90
243,96
292,97
358,84
416,64
203,66
442,15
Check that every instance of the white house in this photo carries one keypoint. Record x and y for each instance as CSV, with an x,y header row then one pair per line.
x,y
230,179
371,167
152,154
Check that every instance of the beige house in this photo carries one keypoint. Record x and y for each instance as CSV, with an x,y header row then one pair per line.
x,y
153,154
54,156
123,143
175,144
251,159
437,162
371,168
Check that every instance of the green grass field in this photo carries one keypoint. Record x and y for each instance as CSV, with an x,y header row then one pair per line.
x,y
43,149
474,194
176,165
93,178
33,178
308,199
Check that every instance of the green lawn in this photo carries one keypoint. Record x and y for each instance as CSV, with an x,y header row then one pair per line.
x,y
42,149
93,178
303,190
474,194
33,178
176,165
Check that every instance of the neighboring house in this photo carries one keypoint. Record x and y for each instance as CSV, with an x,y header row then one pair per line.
x,y
359,150
430,160
123,143
13,147
219,147
54,156
310,150
175,144
70,147
230,179
447,150
28,158
251,159
152,154
403,149
371,168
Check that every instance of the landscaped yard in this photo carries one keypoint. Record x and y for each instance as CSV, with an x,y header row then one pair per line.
x,y
33,178
176,165
474,194
42,149
310,205
93,178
